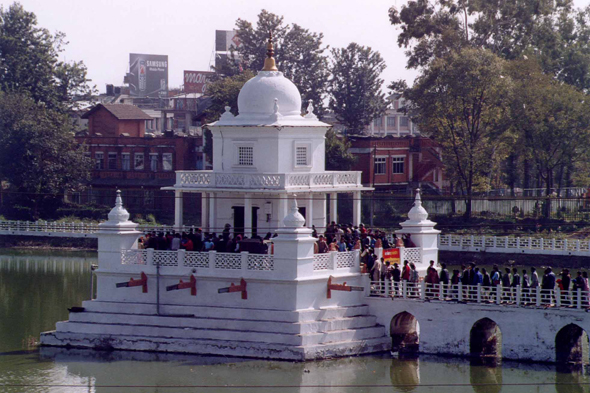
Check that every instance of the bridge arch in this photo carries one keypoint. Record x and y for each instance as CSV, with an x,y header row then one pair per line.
x,y
404,330
571,345
485,339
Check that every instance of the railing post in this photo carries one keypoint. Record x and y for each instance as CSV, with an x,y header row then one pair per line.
x,y
495,242
518,295
553,244
565,245
479,287
578,245
460,293
498,294
518,243
557,297
471,238
404,289
181,254
150,257
441,294
387,287
212,255
538,296
542,243
579,298
530,243
244,260
422,290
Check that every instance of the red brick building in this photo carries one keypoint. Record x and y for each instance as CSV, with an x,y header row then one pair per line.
x,y
128,158
398,164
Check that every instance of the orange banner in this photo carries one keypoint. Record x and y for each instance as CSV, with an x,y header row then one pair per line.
x,y
391,255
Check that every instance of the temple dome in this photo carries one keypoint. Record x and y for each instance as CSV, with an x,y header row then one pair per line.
x,y
258,96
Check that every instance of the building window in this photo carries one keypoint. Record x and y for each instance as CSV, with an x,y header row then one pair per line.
x,y
391,121
112,160
398,165
246,155
167,161
301,156
99,158
379,166
378,122
403,121
125,161
153,162
138,162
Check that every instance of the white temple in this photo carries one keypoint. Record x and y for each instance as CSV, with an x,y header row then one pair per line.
x,y
262,156
289,304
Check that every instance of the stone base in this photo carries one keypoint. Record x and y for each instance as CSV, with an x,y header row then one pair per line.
x,y
270,334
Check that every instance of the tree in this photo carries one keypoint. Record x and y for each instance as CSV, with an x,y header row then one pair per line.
x,y
355,86
338,156
299,54
553,31
462,101
29,62
552,121
38,154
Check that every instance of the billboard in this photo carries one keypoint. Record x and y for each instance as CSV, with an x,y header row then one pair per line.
x,y
225,39
196,81
148,75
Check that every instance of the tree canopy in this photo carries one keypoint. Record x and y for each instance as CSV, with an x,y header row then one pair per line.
x,y
355,86
462,101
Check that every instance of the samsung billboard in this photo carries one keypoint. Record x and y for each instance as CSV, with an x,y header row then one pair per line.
x,y
148,75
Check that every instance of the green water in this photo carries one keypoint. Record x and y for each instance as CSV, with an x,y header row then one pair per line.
x,y
37,287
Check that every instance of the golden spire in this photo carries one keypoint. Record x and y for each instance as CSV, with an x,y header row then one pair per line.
x,y
269,62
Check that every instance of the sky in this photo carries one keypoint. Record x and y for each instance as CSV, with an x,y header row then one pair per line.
x,y
102,33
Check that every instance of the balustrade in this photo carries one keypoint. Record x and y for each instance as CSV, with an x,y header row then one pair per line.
x,y
493,295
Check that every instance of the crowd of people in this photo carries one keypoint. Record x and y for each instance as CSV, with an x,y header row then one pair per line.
x,y
471,275
195,240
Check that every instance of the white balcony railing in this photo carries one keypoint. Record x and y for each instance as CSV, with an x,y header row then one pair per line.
x,y
278,181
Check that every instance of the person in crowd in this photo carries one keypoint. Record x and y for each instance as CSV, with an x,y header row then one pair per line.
x,y
314,232
175,243
414,278
431,279
208,245
399,242
342,245
376,270
566,280
534,278
444,278
548,284
515,282
526,286
396,275
322,245
586,289
406,271
186,243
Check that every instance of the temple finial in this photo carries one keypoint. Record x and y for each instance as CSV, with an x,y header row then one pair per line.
x,y
269,61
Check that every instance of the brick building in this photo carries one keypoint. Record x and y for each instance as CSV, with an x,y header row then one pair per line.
x,y
128,158
398,164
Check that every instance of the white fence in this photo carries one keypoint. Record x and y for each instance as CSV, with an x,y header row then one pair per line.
x,y
498,295
210,179
71,229
336,260
505,244
212,260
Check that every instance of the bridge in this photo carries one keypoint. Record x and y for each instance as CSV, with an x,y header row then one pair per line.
x,y
511,323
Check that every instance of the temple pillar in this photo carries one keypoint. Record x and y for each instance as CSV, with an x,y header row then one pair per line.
x,y
356,208
248,215
334,207
309,212
178,210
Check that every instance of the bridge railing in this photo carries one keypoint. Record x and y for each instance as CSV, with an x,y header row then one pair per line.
x,y
498,295
506,244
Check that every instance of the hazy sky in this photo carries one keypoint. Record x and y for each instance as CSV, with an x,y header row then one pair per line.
x,y
102,33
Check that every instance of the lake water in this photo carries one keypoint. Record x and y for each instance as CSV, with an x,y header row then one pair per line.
x,y
37,287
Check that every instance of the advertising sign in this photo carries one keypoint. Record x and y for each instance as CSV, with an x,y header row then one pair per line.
x,y
196,81
148,75
225,39
391,255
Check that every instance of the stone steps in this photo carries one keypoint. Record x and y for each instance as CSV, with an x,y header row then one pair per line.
x,y
228,324
217,347
220,333
228,312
